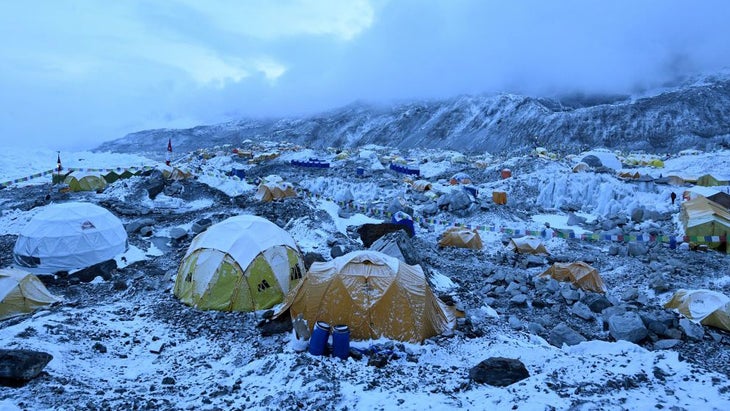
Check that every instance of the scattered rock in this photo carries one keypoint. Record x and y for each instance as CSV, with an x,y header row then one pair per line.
x,y
596,302
627,326
178,233
582,311
691,330
637,249
201,225
666,344
563,334
499,371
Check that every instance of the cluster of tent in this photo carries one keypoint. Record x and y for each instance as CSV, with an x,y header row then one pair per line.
x,y
83,180
59,238
273,188
247,263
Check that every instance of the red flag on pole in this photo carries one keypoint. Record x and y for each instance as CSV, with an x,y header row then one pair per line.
x,y
169,151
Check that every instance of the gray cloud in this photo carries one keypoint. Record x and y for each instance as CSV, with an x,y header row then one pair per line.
x,y
73,77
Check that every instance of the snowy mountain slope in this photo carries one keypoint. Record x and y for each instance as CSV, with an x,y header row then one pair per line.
x,y
694,115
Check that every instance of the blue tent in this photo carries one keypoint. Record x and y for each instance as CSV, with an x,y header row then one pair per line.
x,y
404,219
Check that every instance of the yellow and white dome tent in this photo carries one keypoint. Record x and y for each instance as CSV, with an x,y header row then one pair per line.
x,y
21,293
68,236
243,263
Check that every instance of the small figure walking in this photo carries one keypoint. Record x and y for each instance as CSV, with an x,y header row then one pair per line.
x,y
673,197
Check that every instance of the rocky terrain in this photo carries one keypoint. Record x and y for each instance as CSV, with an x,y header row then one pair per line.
x,y
207,360
691,115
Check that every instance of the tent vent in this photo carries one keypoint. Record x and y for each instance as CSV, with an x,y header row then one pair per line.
x,y
263,285
295,273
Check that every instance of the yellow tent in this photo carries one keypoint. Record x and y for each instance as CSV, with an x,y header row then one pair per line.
x,y
580,167
579,274
421,185
374,294
174,173
275,191
656,163
243,263
527,245
461,237
22,293
703,306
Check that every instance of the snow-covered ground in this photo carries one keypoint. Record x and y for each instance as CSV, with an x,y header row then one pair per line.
x,y
235,368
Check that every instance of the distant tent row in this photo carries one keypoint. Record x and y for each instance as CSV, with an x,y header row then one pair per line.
x,y
311,163
405,169
98,180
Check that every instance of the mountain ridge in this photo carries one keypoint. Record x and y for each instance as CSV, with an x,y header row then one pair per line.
x,y
694,115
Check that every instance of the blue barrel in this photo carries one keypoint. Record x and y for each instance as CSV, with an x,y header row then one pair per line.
x,y
341,341
672,242
360,171
318,340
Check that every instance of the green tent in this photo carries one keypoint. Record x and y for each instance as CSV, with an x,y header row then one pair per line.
x,y
115,175
244,263
85,182
708,180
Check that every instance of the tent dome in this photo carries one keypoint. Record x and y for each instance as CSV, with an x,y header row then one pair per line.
x,y
374,294
68,236
243,263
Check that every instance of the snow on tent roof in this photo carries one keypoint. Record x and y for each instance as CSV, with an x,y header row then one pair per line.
x,y
68,236
607,159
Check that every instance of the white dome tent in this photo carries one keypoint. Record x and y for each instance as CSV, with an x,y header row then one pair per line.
x,y
69,236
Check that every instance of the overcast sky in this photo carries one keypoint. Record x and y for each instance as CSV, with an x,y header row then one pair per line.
x,y
76,73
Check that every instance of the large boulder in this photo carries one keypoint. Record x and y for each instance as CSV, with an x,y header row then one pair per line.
x,y
154,184
398,245
627,326
369,233
596,302
499,371
104,269
563,334
22,365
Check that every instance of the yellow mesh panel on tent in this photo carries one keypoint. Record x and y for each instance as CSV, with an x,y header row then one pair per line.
x,y
265,289
222,286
